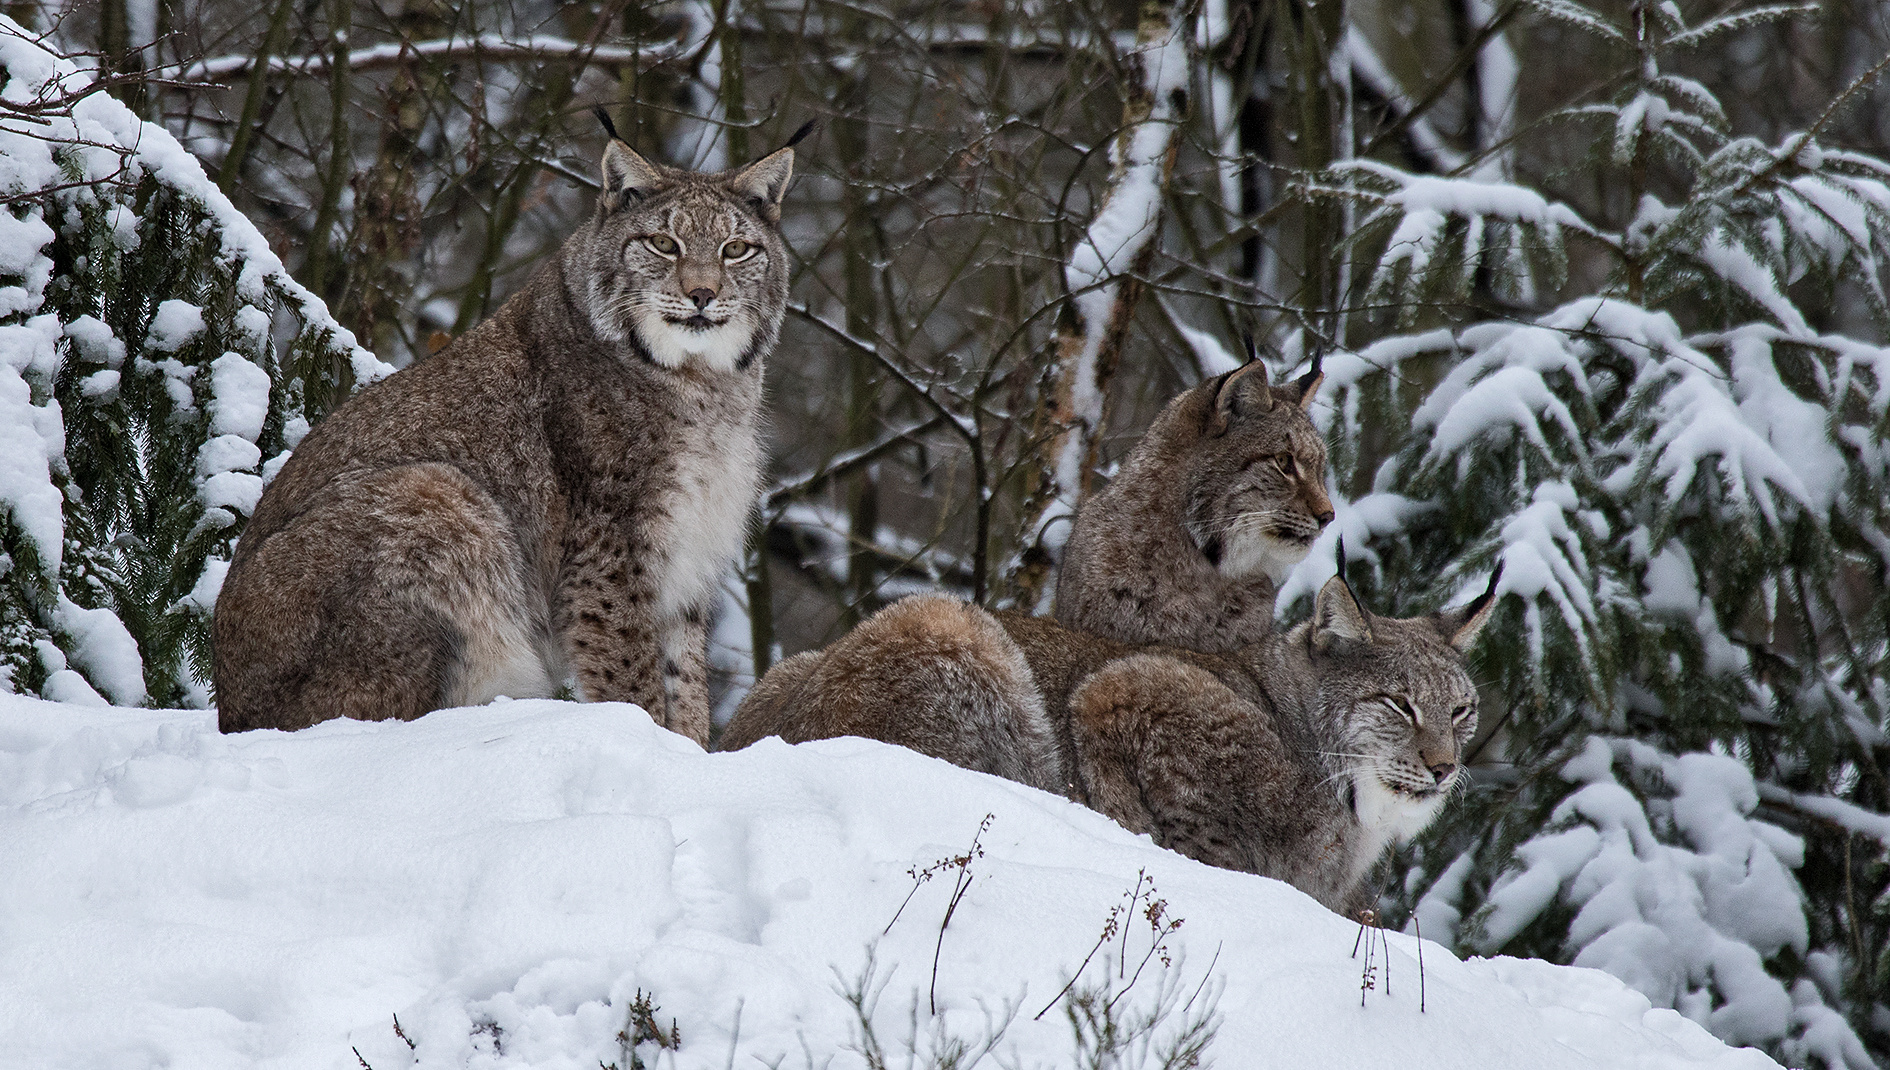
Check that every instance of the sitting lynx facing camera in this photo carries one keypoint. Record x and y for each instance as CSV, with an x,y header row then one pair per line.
x,y
552,496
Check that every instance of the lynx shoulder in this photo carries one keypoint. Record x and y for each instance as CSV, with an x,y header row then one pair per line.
x,y
1224,494
550,498
1302,757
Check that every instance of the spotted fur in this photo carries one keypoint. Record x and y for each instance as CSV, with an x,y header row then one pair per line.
x,y
549,499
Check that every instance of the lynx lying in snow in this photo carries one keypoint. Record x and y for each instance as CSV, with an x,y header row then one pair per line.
x,y
1223,495
557,491
1302,756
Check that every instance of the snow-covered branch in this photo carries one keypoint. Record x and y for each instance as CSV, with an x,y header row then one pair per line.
x,y
486,46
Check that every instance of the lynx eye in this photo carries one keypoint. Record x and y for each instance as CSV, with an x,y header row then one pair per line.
x,y
1285,463
1402,707
663,244
1460,714
737,250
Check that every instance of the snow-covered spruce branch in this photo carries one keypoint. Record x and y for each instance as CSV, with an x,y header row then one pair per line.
x,y
143,405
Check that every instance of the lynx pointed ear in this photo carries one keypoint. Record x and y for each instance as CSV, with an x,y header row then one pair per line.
x,y
1461,625
1308,384
1337,616
764,182
628,176
1242,391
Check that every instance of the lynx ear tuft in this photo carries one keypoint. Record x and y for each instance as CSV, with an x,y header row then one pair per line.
x,y
763,183
1460,626
1307,385
627,176
603,117
1337,616
1242,392
801,134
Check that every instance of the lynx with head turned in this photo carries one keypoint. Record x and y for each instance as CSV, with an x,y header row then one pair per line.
x,y
1302,757
551,497
1222,497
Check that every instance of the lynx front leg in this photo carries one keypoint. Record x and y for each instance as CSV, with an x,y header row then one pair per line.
x,y
605,614
686,677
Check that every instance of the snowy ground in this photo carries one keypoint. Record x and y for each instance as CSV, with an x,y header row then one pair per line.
x,y
504,879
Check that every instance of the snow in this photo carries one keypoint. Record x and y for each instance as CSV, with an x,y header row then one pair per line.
x,y
21,239
173,325
100,385
1700,419
226,453
1424,204
239,397
64,685
493,45
231,490
32,437
104,651
1210,355
94,343
1542,555
1687,924
203,596
1737,265
504,879
1356,523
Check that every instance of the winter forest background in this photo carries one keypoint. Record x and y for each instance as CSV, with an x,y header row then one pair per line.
x,y
1598,290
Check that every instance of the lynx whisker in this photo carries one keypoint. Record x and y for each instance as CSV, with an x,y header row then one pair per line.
x,y
1252,518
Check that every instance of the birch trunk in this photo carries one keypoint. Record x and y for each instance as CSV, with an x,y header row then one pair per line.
x,y
1103,274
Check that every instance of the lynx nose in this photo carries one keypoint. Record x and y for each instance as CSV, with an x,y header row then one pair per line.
x,y
1324,516
1443,770
701,295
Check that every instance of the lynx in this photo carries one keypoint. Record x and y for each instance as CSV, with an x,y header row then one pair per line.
x,y
1221,498
1302,757
550,498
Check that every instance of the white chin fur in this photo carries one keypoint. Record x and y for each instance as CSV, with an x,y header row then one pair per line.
x,y
1388,816
1257,553
718,348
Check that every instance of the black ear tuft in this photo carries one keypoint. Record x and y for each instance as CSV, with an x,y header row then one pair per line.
x,y
1460,626
604,117
1312,374
1341,563
801,134
1249,346
1308,384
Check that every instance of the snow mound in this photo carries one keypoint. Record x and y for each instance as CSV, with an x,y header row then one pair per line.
x,y
505,879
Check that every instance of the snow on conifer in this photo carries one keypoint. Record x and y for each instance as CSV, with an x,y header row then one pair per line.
x,y
1684,478
144,393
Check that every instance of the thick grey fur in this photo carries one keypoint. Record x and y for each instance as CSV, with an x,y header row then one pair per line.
x,y
1303,756
552,497
1223,495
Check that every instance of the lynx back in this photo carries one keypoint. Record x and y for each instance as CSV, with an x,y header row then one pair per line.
x,y
549,499
1222,497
